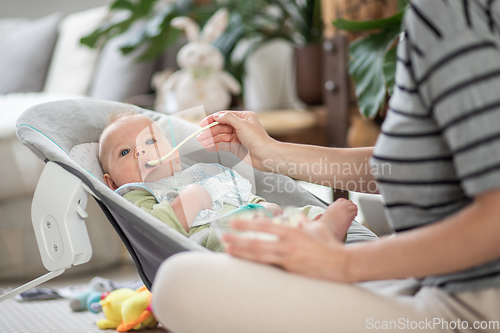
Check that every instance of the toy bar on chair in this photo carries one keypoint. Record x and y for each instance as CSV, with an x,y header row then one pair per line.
x,y
58,213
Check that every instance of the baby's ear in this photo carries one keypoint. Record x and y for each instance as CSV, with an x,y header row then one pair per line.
x,y
109,181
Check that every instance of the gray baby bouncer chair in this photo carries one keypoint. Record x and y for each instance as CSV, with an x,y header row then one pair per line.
x,y
65,135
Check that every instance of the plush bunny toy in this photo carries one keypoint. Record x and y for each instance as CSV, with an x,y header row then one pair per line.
x,y
202,79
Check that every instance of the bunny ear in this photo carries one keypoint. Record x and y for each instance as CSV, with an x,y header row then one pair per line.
x,y
188,25
215,26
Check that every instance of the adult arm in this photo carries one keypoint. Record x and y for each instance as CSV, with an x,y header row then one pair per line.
x,y
461,241
241,133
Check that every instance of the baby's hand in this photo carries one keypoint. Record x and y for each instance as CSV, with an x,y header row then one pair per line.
x,y
272,208
200,195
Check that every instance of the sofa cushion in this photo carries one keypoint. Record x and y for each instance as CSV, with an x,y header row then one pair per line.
x,y
119,76
73,64
27,46
19,167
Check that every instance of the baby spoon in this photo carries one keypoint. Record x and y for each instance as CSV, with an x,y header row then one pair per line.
x,y
164,158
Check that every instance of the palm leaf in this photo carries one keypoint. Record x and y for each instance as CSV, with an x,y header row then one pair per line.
x,y
366,67
389,70
384,23
372,63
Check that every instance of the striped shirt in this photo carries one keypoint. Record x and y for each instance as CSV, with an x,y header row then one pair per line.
x,y
441,136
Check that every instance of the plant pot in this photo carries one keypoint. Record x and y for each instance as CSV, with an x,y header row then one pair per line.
x,y
309,73
268,82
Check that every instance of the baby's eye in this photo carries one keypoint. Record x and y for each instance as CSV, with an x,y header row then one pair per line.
x,y
150,141
124,152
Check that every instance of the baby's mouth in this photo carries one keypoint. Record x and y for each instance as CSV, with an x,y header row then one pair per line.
x,y
149,166
146,166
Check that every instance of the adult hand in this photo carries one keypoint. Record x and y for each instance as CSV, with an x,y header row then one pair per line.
x,y
240,133
311,251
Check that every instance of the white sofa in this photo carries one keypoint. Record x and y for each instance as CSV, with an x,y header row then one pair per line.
x,y
42,60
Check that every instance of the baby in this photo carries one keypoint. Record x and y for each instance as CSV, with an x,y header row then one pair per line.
x,y
131,140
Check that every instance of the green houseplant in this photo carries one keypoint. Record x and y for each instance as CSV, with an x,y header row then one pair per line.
x,y
156,34
372,63
251,23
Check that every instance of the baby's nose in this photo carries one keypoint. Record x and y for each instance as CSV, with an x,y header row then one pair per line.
x,y
140,151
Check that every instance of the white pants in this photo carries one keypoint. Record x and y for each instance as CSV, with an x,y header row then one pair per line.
x,y
207,292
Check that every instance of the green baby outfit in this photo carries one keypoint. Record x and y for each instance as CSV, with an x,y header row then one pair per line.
x,y
201,234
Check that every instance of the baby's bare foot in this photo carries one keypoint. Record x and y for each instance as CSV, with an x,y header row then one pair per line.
x,y
338,217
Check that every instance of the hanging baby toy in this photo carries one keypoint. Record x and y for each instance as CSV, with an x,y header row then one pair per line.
x,y
202,79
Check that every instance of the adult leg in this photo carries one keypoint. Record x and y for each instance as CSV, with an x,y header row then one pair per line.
x,y
205,292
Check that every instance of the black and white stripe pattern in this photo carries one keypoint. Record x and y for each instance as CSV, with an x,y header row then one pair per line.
x,y
441,135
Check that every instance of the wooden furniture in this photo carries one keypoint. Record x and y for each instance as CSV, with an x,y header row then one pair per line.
x,y
297,126
336,89
286,121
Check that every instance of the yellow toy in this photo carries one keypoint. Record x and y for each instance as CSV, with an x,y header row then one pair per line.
x,y
126,309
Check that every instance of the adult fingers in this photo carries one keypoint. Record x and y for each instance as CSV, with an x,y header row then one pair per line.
x,y
229,118
264,257
216,117
263,225
208,119
319,231
214,131
221,138
253,244
270,252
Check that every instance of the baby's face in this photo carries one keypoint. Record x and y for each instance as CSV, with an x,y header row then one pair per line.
x,y
128,145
